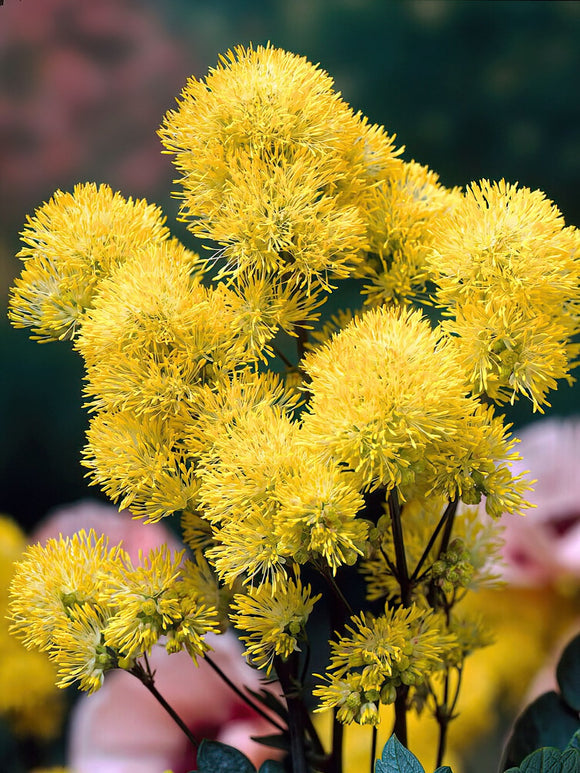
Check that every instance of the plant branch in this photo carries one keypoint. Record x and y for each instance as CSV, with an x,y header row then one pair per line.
x,y
243,696
452,507
336,591
336,752
400,725
399,545
373,748
286,672
147,678
447,515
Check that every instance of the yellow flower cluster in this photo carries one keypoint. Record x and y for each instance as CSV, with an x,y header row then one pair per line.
x,y
29,701
365,452
508,275
87,606
72,242
276,168
377,655
273,622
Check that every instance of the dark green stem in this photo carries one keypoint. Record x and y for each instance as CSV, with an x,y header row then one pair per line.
x,y
336,591
242,695
400,726
335,765
283,357
448,526
146,677
447,515
374,748
287,676
399,545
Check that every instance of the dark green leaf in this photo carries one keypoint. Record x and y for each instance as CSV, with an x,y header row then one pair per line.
x,y
276,741
570,761
215,757
575,741
397,759
568,674
546,760
548,721
550,760
268,699
271,766
444,769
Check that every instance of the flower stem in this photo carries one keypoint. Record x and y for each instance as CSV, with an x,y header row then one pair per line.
x,y
337,738
286,672
452,508
399,545
373,748
445,518
243,696
400,726
147,678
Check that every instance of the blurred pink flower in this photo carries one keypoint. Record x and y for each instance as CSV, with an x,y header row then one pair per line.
x,y
105,519
83,88
122,728
543,547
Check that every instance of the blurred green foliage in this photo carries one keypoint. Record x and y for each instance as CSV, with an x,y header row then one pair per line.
x,y
472,89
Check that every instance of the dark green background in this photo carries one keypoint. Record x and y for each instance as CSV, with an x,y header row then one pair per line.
x,y
473,89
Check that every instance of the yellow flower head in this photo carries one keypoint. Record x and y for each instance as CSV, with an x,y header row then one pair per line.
x,y
377,655
152,600
383,390
402,210
274,166
317,514
50,582
79,649
508,272
156,334
142,463
72,243
272,620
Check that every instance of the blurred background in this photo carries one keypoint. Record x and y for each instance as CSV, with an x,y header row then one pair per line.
x,y
472,89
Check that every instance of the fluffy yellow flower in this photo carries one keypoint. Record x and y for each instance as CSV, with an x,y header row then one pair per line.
x,y
52,581
156,334
79,649
274,165
142,463
272,620
402,210
317,513
508,272
29,700
377,655
72,243
383,390
268,304
151,601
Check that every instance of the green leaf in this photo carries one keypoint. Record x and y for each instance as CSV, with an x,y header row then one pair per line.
x,y
271,766
548,721
216,757
575,741
397,759
570,761
444,769
276,741
270,701
568,674
550,760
